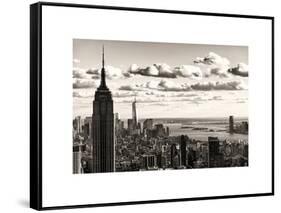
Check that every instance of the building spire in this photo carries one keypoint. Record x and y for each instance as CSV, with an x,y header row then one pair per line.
x,y
102,83
103,56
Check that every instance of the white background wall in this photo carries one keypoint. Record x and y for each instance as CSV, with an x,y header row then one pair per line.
x,y
14,106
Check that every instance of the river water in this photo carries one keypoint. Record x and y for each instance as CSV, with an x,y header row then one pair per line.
x,y
201,129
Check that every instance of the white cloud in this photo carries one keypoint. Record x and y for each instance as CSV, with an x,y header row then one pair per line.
x,y
134,68
80,73
241,69
128,88
171,86
141,100
188,71
76,95
148,71
165,71
78,84
151,84
163,85
212,59
216,64
110,71
82,94
230,85
93,71
124,94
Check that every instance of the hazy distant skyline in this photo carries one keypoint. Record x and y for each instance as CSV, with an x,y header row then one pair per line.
x,y
168,80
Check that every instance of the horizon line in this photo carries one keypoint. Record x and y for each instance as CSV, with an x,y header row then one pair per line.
x,y
174,117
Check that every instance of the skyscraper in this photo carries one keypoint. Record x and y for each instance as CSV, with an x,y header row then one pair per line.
x,y
77,157
148,124
167,131
134,114
130,126
78,124
78,148
215,157
183,144
103,127
116,124
160,130
175,156
87,128
231,124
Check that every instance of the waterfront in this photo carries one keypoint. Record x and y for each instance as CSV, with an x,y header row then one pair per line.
x,y
202,128
150,123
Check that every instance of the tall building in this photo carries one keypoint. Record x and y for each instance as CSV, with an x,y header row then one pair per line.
x,y
150,162
148,124
139,128
245,127
167,131
88,127
77,157
116,124
175,156
121,125
231,124
78,148
160,130
116,117
103,127
215,157
159,160
130,125
246,150
78,124
147,127
134,114
183,149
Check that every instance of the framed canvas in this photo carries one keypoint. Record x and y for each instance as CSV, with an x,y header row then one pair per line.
x,y
136,106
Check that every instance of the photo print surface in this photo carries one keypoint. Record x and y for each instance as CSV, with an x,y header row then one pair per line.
x,y
142,106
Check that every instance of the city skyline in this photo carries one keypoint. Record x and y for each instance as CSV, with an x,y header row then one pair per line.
x,y
103,143
202,78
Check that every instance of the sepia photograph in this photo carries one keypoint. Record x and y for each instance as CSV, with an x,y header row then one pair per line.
x,y
140,106
148,106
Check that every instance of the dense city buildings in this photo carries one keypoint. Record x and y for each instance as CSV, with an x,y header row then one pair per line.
x,y
106,142
154,149
150,111
241,128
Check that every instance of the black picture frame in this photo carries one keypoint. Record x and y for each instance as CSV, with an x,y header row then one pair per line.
x,y
36,104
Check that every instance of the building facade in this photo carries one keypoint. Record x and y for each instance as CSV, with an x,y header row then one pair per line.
x,y
231,124
103,127
134,114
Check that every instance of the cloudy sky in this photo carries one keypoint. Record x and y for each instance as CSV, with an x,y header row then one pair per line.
x,y
168,79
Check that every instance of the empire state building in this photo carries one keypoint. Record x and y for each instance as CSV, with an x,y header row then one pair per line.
x,y
102,122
